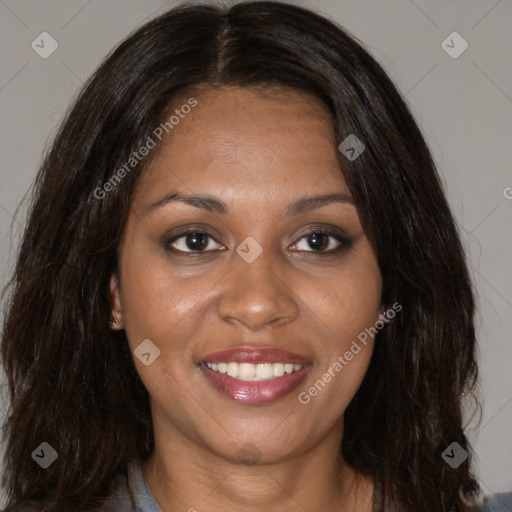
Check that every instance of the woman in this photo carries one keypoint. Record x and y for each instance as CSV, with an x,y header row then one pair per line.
x,y
240,286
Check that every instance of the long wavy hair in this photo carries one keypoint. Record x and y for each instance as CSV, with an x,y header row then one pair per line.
x,y
71,379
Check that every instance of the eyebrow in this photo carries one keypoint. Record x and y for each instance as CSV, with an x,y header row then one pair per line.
x,y
216,205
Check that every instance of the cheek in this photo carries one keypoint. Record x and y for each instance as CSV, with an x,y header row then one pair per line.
x,y
346,308
348,301
158,308
150,304
151,296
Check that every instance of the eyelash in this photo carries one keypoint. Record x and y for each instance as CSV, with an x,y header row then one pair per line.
x,y
345,242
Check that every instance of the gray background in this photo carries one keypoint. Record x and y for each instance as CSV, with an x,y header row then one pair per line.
x,y
463,105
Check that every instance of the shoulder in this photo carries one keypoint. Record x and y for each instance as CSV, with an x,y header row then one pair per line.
x,y
119,501
501,502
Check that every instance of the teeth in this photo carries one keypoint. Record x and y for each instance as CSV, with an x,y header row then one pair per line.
x,y
245,370
233,369
278,369
254,372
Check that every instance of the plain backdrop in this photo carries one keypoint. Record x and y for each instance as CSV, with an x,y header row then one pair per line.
x,y
463,105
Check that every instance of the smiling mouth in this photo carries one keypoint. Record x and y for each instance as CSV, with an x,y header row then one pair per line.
x,y
255,390
255,376
254,372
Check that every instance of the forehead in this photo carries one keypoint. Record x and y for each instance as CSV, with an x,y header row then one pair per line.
x,y
241,138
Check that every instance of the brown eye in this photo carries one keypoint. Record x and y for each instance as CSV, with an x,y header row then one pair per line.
x,y
191,242
319,241
324,242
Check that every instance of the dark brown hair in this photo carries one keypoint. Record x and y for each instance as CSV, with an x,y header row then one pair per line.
x,y
72,380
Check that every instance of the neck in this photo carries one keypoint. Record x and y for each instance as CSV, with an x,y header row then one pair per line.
x,y
185,476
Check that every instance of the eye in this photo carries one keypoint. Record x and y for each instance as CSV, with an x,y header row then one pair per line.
x,y
324,241
194,241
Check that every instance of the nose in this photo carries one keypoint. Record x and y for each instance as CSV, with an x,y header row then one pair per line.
x,y
255,295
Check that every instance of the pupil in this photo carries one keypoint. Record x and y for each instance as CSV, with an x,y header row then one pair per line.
x,y
313,240
203,242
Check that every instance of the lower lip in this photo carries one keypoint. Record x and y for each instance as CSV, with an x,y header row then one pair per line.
x,y
255,392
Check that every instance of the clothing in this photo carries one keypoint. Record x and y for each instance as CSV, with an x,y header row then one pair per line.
x,y
501,502
120,500
145,502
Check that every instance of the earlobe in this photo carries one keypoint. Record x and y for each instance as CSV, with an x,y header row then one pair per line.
x,y
382,319
116,316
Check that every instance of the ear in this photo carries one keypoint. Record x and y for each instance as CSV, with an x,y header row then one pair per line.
x,y
382,315
116,315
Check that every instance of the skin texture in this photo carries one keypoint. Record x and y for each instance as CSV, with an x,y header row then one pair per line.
x,y
258,151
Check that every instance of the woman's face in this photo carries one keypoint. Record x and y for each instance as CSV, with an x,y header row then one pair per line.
x,y
255,274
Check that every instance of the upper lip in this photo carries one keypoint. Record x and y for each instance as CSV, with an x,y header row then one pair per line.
x,y
255,356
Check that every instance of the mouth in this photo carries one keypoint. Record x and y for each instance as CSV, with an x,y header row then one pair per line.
x,y
254,372
255,376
